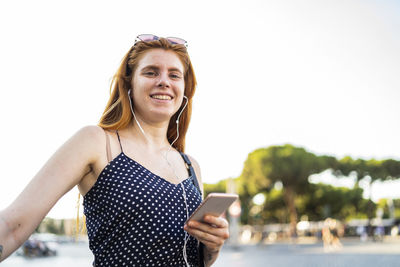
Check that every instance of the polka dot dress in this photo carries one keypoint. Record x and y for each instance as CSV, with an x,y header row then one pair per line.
x,y
136,218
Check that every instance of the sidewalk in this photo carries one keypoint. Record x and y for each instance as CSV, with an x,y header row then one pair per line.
x,y
353,254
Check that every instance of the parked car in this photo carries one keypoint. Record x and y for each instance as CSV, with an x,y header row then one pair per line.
x,y
36,247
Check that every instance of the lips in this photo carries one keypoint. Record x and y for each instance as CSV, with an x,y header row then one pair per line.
x,y
161,96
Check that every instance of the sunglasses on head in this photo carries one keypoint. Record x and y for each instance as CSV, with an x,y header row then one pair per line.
x,y
152,37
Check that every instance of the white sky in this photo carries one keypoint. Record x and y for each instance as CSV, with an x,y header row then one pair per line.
x,y
317,74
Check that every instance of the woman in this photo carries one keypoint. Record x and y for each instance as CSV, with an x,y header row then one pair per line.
x,y
138,186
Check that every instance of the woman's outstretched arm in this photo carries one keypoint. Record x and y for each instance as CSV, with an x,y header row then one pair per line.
x,y
65,169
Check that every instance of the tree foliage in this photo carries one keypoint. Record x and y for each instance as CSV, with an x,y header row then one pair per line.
x,y
319,202
382,170
49,225
376,169
292,166
287,164
324,201
218,187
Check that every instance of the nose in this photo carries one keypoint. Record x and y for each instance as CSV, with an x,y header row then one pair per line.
x,y
163,80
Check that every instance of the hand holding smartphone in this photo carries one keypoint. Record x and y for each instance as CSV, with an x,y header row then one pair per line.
x,y
215,204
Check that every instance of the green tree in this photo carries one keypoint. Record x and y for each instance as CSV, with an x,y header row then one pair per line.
x,y
372,169
322,201
287,164
274,208
218,187
383,170
319,202
50,225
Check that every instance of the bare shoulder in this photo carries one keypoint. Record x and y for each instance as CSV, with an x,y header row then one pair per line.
x,y
90,135
89,141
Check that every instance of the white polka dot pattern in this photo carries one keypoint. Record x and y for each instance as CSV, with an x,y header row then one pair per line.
x,y
136,218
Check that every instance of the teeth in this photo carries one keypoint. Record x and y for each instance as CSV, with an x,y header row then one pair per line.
x,y
162,97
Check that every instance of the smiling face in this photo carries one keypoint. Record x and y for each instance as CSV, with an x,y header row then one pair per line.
x,y
158,85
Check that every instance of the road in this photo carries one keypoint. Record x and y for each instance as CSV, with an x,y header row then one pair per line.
x,y
353,254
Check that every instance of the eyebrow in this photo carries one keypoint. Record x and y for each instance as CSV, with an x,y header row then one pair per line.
x,y
154,67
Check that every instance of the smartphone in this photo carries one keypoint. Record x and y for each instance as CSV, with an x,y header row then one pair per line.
x,y
214,204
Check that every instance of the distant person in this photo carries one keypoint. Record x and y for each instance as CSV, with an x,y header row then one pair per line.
x,y
394,231
330,235
326,236
138,186
363,233
379,233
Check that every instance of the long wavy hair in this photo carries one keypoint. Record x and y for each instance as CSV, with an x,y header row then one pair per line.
x,y
117,114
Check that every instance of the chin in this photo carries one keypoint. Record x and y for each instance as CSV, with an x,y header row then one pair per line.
x,y
162,116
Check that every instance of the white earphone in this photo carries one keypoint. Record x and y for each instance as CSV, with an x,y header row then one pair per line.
x,y
177,120
133,113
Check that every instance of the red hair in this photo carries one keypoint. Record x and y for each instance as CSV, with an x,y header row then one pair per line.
x,y
117,114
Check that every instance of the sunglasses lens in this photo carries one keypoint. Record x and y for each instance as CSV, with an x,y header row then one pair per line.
x,y
147,37
152,37
175,40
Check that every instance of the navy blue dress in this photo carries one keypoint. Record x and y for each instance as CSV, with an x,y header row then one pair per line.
x,y
136,218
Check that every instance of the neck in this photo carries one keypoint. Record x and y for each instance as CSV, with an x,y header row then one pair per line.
x,y
154,136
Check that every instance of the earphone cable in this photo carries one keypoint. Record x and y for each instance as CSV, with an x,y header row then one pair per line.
x,y
186,235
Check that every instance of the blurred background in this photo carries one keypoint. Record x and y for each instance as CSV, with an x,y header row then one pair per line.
x,y
296,110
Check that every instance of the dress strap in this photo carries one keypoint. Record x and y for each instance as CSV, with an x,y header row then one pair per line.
x,y
191,171
119,141
108,149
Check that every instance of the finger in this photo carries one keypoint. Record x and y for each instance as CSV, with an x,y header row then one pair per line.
x,y
207,228
217,221
204,236
212,247
212,243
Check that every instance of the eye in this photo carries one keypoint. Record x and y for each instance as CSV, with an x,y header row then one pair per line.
x,y
150,73
175,76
